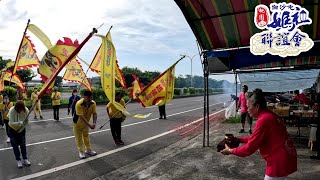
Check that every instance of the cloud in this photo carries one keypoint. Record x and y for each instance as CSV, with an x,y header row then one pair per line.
x,y
147,33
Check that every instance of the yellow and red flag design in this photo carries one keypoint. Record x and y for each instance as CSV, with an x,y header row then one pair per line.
x,y
74,73
108,64
159,91
15,79
27,56
136,87
55,57
95,66
2,81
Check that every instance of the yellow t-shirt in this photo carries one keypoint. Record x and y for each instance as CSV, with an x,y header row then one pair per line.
x,y
87,112
55,96
6,110
34,97
112,110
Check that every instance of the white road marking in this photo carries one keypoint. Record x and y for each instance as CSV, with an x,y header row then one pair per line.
x,y
95,132
59,168
157,106
35,121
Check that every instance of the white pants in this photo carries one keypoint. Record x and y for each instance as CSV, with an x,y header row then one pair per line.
x,y
266,177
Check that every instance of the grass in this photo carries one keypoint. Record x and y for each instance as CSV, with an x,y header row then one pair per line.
x,y
232,120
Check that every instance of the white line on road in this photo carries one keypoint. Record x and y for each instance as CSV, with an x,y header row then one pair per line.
x,y
157,106
48,120
52,170
68,137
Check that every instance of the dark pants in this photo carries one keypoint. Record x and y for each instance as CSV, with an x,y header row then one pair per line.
x,y
56,112
318,134
162,111
115,124
7,126
18,139
245,116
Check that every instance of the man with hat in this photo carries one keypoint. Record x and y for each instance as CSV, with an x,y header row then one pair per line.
x,y
55,96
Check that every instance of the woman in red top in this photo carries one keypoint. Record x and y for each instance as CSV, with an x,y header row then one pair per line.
x,y
270,137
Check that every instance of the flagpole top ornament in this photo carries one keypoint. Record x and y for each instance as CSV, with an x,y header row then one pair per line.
x,y
94,30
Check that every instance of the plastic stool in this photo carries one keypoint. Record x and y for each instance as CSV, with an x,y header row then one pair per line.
x,y
312,136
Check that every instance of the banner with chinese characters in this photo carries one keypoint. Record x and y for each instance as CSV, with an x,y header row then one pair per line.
x,y
7,76
159,91
281,35
74,73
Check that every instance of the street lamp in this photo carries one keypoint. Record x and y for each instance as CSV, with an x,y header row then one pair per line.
x,y
191,58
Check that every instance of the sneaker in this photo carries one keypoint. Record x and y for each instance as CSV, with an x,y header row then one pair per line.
x,y
8,140
242,131
41,117
250,131
26,162
121,142
35,117
160,118
165,118
82,155
91,152
19,164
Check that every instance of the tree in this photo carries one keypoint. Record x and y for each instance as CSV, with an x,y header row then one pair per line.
x,y
25,74
58,81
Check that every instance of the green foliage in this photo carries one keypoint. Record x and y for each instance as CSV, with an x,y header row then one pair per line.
x,y
177,91
192,90
235,119
58,81
11,92
185,90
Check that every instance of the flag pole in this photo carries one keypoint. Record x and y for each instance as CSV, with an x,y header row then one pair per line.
x,y
114,114
85,75
17,56
52,78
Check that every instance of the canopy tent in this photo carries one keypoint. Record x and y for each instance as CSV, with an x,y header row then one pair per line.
x,y
223,30
280,81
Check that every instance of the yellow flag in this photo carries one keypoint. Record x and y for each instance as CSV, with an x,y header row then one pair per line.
x,y
141,116
40,35
75,73
159,91
2,81
136,87
108,61
27,56
15,79
55,58
96,65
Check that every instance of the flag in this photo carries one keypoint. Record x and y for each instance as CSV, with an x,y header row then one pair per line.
x,y
136,87
49,59
108,65
55,57
15,79
159,91
75,73
27,56
141,116
2,81
40,35
95,66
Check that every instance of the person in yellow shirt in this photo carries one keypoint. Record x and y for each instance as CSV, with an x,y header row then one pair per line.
x,y
116,118
37,108
55,96
85,108
6,107
21,95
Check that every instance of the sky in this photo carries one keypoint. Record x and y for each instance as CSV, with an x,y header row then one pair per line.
x,y
147,34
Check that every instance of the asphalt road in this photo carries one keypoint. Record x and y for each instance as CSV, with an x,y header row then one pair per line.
x,y
52,151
